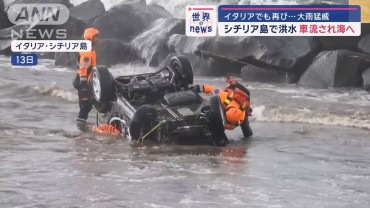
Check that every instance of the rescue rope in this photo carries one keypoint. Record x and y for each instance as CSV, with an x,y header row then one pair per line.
x,y
153,129
98,115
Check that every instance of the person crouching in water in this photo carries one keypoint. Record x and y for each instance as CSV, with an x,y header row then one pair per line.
x,y
235,101
87,61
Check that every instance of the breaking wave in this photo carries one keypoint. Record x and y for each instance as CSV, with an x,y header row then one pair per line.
x,y
356,119
54,91
41,91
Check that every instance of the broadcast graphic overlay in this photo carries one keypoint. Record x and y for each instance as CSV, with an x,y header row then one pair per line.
x,y
27,40
277,20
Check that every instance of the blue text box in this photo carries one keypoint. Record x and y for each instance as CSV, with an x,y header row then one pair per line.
x,y
24,59
289,13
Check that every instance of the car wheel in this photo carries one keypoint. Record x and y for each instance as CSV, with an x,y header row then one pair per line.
x,y
217,115
182,66
102,87
142,122
102,107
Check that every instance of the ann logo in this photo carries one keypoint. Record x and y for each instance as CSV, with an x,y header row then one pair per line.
x,y
41,14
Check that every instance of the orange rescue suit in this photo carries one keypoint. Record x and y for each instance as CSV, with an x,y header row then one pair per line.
x,y
86,63
87,60
234,102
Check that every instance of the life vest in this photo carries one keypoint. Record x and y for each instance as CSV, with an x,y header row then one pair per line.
x,y
86,63
228,95
235,102
87,59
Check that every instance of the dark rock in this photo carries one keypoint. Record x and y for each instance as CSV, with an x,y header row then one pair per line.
x,y
108,52
340,68
88,11
200,67
338,42
46,55
66,59
4,21
291,54
251,73
364,44
366,80
125,21
343,42
67,3
322,2
152,44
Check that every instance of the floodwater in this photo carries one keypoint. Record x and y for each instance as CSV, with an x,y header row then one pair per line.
x,y
311,148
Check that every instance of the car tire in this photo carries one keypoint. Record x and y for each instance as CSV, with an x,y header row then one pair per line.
x,y
102,107
182,66
217,115
142,122
102,88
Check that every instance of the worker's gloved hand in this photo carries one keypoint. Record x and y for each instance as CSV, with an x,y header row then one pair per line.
x,y
230,81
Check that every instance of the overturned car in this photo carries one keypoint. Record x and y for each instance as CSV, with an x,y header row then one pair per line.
x,y
163,106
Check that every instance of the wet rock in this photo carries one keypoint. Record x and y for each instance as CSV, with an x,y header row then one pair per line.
x,y
67,3
66,59
152,44
251,73
336,43
125,21
88,11
290,54
364,44
69,30
200,67
322,2
108,52
343,42
366,80
4,21
340,68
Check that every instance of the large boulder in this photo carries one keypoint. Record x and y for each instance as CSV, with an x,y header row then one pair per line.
x,y
67,3
340,68
125,21
4,21
364,44
290,54
366,80
88,11
66,59
152,44
108,52
251,73
72,28
200,67
343,42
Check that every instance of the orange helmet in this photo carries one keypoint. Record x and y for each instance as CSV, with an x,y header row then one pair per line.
x,y
90,33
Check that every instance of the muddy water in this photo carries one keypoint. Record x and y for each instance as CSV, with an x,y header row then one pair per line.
x,y
47,161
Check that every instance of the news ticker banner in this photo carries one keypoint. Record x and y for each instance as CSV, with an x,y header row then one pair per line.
x,y
274,20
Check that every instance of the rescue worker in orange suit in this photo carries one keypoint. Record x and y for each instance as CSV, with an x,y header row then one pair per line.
x,y
87,61
235,101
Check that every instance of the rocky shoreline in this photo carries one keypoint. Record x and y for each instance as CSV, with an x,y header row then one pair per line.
x,y
135,32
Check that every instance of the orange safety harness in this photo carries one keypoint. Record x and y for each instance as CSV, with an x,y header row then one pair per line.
x,y
239,96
